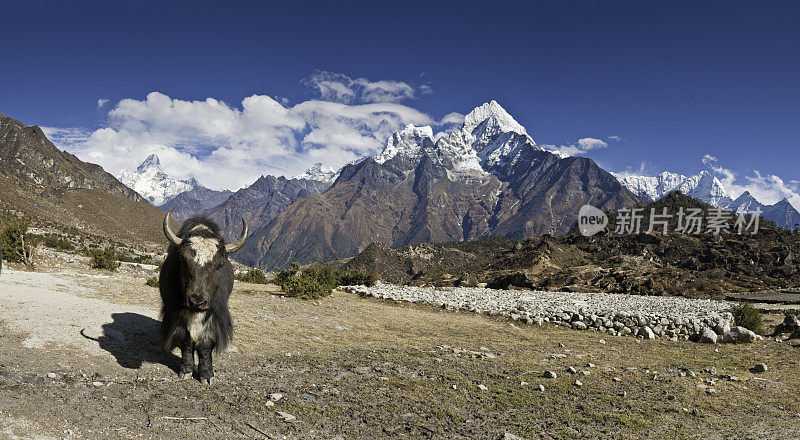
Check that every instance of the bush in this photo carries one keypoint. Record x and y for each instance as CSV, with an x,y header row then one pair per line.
x,y
104,259
358,278
748,317
58,243
152,282
255,276
308,284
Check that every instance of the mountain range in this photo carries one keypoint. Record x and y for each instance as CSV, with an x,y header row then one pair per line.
x,y
487,178
707,188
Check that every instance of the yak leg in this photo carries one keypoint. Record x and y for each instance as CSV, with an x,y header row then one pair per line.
x,y
204,363
187,358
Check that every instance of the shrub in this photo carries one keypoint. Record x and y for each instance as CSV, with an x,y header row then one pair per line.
x,y
58,243
255,276
152,282
104,259
358,278
748,317
308,284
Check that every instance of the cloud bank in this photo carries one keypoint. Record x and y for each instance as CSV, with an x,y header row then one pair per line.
x,y
766,188
227,146
583,146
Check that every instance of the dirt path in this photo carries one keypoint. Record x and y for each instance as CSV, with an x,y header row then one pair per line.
x,y
349,367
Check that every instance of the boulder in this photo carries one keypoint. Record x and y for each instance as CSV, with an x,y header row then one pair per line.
x,y
739,334
707,336
646,332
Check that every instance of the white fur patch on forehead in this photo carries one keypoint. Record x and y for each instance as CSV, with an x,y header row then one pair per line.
x,y
199,228
204,249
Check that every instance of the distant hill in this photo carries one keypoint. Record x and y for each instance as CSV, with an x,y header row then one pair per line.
x,y
647,264
46,183
195,201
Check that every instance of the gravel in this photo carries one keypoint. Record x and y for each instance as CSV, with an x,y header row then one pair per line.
x,y
646,317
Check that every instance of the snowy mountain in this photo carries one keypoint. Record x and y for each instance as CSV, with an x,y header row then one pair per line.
x,y
488,178
150,181
746,203
319,173
702,186
783,214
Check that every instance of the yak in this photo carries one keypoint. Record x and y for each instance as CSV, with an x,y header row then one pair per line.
x,y
196,280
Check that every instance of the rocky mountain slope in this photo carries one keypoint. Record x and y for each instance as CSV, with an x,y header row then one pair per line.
x,y
262,201
648,264
152,183
50,185
194,201
488,178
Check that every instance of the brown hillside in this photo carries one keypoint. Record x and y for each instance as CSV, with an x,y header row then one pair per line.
x,y
53,186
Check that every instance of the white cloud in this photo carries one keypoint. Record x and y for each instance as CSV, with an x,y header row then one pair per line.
x,y
225,146
583,146
337,87
102,102
766,188
614,138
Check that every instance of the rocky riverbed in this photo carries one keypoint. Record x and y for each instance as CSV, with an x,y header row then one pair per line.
x,y
649,317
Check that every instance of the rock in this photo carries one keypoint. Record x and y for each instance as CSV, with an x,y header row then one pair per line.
x,y
550,374
738,335
541,387
510,436
483,387
579,325
707,336
578,383
572,370
760,368
602,341
286,416
52,375
623,394
97,384
275,397
711,391
646,332
270,403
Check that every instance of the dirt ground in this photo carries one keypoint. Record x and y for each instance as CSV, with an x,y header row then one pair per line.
x,y
79,358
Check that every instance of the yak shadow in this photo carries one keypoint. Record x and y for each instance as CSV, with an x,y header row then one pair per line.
x,y
133,339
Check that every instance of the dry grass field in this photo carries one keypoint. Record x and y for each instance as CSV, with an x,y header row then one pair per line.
x,y
349,367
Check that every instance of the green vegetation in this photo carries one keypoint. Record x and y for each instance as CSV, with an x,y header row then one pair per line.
x,y
313,283
255,276
17,244
57,242
748,317
152,282
104,259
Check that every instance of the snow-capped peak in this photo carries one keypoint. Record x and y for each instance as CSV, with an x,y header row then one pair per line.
x,y
150,181
495,115
319,173
152,163
702,186
406,142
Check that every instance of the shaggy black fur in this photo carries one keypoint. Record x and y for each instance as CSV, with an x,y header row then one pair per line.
x,y
182,277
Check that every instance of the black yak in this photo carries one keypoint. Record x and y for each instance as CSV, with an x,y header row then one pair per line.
x,y
196,280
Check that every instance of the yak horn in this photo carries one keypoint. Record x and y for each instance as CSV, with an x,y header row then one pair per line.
x,y
174,239
236,245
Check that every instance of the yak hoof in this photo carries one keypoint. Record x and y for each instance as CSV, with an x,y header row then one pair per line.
x,y
185,376
205,380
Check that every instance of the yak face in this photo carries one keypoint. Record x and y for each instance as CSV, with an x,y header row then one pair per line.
x,y
203,257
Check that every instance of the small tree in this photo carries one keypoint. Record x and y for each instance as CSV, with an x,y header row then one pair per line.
x,y
105,259
15,245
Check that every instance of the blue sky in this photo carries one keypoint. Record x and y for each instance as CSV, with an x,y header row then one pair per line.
x,y
675,80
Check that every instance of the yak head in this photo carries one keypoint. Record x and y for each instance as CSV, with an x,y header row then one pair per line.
x,y
203,258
